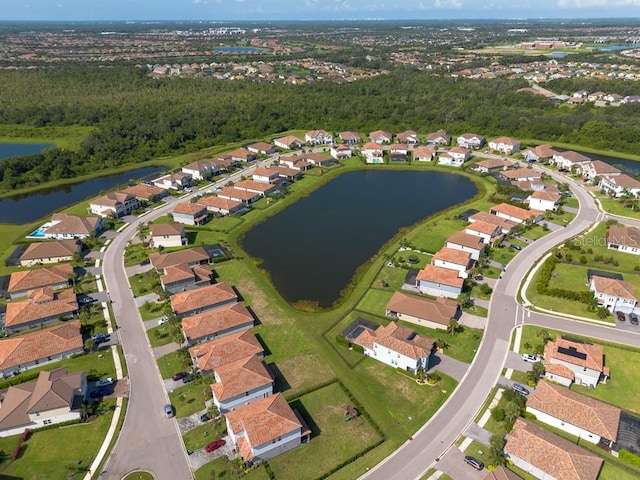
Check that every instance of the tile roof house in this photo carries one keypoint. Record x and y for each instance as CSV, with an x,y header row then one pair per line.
x,y
190,213
209,356
541,152
439,282
613,294
287,173
167,235
174,181
423,154
372,152
501,473
543,201
516,214
421,310
624,239
454,157
50,252
409,137
239,195
63,226
202,299
146,193
319,137
453,259
217,323
380,137
341,151
54,276
289,142
487,232
117,204
567,361
581,416
598,168
201,169
191,256
33,350
569,159
396,346
492,165
261,147
249,154
470,140
505,145
619,185
54,398
438,139
545,455
42,306
222,206
350,138
265,175
318,159
506,226
260,188
296,162
182,277
265,429
241,383
521,174
466,242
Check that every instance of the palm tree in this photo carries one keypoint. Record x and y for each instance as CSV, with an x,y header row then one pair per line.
x,y
452,328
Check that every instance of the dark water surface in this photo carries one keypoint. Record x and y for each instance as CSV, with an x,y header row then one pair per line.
x,y
313,247
9,150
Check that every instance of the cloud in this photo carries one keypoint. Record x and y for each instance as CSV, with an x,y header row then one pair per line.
x,y
597,3
457,4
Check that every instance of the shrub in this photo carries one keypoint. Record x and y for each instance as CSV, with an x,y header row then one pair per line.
x,y
629,457
342,341
497,414
17,451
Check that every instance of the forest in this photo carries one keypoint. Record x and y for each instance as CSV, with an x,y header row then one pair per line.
x,y
136,118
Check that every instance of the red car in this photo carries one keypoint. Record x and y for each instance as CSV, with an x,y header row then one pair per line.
x,y
213,446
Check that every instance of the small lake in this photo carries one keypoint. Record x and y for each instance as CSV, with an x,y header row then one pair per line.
x,y
313,247
32,206
9,150
613,48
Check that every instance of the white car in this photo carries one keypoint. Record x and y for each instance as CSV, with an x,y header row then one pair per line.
x,y
105,382
163,320
530,358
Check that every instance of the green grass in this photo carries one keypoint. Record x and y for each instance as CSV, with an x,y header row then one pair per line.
x,y
431,238
139,475
134,254
536,232
144,283
66,137
570,277
615,207
222,469
164,334
172,363
477,293
375,301
502,254
611,471
478,450
392,276
402,259
151,310
200,436
570,202
477,310
190,398
519,377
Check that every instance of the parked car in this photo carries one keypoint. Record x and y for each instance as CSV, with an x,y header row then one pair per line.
x,y
205,417
162,320
100,392
516,247
187,379
527,357
620,316
215,445
105,382
474,462
100,337
179,376
633,318
168,410
478,278
516,387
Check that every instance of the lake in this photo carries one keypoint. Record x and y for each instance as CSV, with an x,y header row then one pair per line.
x,y
29,207
9,150
313,247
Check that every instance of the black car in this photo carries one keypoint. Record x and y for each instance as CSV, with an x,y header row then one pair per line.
x,y
620,316
474,462
516,387
204,417
633,318
516,247
179,376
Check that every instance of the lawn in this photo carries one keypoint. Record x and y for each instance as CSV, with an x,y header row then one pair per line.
x,y
150,310
300,373
134,254
391,276
615,207
220,225
165,334
536,232
190,398
570,277
333,441
432,236
375,301
205,433
222,469
173,362
86,284
205,234
476,292
502,254
479,451
419,259
570,202
477,310
143,283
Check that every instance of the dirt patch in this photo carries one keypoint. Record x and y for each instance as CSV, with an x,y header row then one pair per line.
x,y
259,303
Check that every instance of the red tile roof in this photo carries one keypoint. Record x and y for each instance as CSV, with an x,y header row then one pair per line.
x,y
628,236
187,208
451,255
162,260
217,320
162,229
440,310
239,377
486,228
466,240
614,287
39,277
487,217
41,304
52,249
594,354
72,224
236,193
202,298
443,276
230,348
220,203
515,212
397,338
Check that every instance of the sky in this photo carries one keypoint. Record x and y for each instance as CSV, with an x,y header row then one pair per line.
x,y
237,10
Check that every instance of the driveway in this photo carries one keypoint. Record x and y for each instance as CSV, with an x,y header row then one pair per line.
x,y
447,365
452,463
150,297
199,457
138,269
476,432
472,321
165,349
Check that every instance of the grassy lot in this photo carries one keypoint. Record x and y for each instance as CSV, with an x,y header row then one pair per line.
x,y
594,244
536,232
223,469
172,363
375,301
190,398
491,271
151,310
143,283
86,284
431,238
476,292
12,234
300,373
502,254
615,207
402,259
393,277
570,277
48,453
200,436
478,310
478,450
165,334
570,202
560,218
134,254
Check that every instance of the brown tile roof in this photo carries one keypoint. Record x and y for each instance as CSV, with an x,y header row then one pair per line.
x,y
232,192
372,146
255,186
41,304
400,339
501,473
264,420
289,140
260,146
286,171
506,141
451,255
243,153
550,196
239,377
579,410
521,173
112,198
220,203
440,310
494,163
439,134
469,136
625,181
628,236
72,224
381,134
163,260
602,168
349,136
544,151
487,217
550,453
421,152
49,342
466,240
230,348
444,276
52,249
162,229
560,370
574,157
203,297
481,226
405,135
39,277
145,192
516,212
614,287
187,208
460,150
217,320
265,172
594,354
317,157
177,273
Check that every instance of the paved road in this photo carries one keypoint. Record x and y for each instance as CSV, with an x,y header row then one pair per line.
x,y
148,440
438,435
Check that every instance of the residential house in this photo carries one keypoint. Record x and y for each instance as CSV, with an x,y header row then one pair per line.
x,y
318,159
287,173
167,235
613,97
265,175
174,181
64,226
438,139
492,165
581,416
506,226
422,311
505,145
372,152
290,142
454,157
380,137
241,383
219,322
486,232
41,307
54,276
521,175
398,153
243,196
466,242
598,168
262,147
192,302
620,185
319,137
613,294
209,356
296,162
265,429
569,160
501,473
340,152
533,186
249,154
146,193
190,213
408,137
54,251
349,138
55,397
191,256
261,188
178,278
396,346
544,201
539,153
567,361
544,455
223,206
116,204
470,140
516,214
439,282
41,347
580,94
453,259
624,239
201,170
423,154
225,163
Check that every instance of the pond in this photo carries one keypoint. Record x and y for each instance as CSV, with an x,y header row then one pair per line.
x,y
9,150
29,207
312,249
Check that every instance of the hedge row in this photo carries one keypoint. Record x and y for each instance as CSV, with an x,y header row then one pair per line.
x,y
311,389
542,285
361,453
21,378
